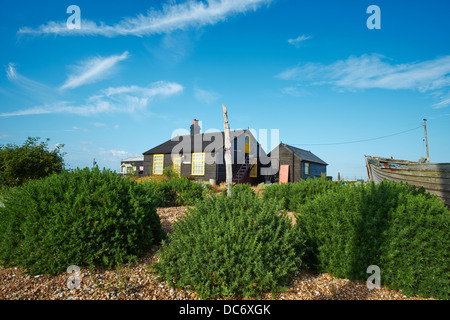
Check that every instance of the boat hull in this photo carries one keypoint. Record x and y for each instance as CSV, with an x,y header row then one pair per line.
x,y
434,177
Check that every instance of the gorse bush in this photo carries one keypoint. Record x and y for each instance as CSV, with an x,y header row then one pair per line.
x,y
82,217
293,195
231,246
402,230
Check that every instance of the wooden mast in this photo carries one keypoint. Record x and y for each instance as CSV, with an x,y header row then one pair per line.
x,y
227,149
426,139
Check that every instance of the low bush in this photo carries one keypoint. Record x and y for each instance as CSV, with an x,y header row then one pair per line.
x,y
188,192
83,217
160,192
231,246
293,195
402,230
178,191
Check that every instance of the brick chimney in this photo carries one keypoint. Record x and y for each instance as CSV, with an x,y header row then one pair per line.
x,y
195,128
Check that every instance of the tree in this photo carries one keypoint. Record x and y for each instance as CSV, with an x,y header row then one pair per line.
x,y
32,160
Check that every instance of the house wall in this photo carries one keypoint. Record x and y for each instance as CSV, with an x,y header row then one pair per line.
x,y
210,169
186,167
215,170
315,170
148,163
238,156
287,157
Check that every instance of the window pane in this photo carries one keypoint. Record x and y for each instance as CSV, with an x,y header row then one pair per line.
x,y
158,163
198,163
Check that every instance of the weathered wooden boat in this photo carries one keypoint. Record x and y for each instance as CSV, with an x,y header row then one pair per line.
x,y
434,177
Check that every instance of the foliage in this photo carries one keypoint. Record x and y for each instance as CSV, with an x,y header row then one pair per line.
x,y
231,246
188,192
243,189
81,217
178,191
32,160
168,172
293,195
160,192
402,230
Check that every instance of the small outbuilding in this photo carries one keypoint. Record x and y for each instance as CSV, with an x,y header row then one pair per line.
x,y
132,165
302,164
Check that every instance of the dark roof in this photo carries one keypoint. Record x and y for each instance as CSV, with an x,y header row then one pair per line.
x,y
305,155
195,143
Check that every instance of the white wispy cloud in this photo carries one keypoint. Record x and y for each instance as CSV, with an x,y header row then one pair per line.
x,y
444,100
115,153
294,91
99,124
29,88
172,17
297,41
3,136
206,96
93,70
374,71
76,128
442,104
116,99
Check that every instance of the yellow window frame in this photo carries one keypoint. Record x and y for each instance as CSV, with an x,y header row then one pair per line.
x,y
198,164
177,164
158,164
307,168
254,169
247,143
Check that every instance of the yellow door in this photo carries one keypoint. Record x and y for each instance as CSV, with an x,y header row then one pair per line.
x,y
247,144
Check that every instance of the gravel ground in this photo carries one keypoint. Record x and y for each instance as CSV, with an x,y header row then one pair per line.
x,y
136,283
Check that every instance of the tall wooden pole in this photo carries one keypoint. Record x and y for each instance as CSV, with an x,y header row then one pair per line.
x,y
227,149
426,139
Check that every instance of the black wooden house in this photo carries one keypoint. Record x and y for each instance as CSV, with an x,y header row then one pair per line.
x,y
303,164
201,156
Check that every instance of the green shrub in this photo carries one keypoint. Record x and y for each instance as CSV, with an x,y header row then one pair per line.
x,y
392,225
293,195
280,193
178,191
416,253
82,217
188,192
242,189
169,172
161,192
18,164
231,246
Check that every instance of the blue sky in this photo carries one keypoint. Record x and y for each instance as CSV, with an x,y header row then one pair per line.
x,y
136,71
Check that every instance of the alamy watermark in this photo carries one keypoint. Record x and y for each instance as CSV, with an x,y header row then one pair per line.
x,y
74,21
74,280
374,281
374,21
